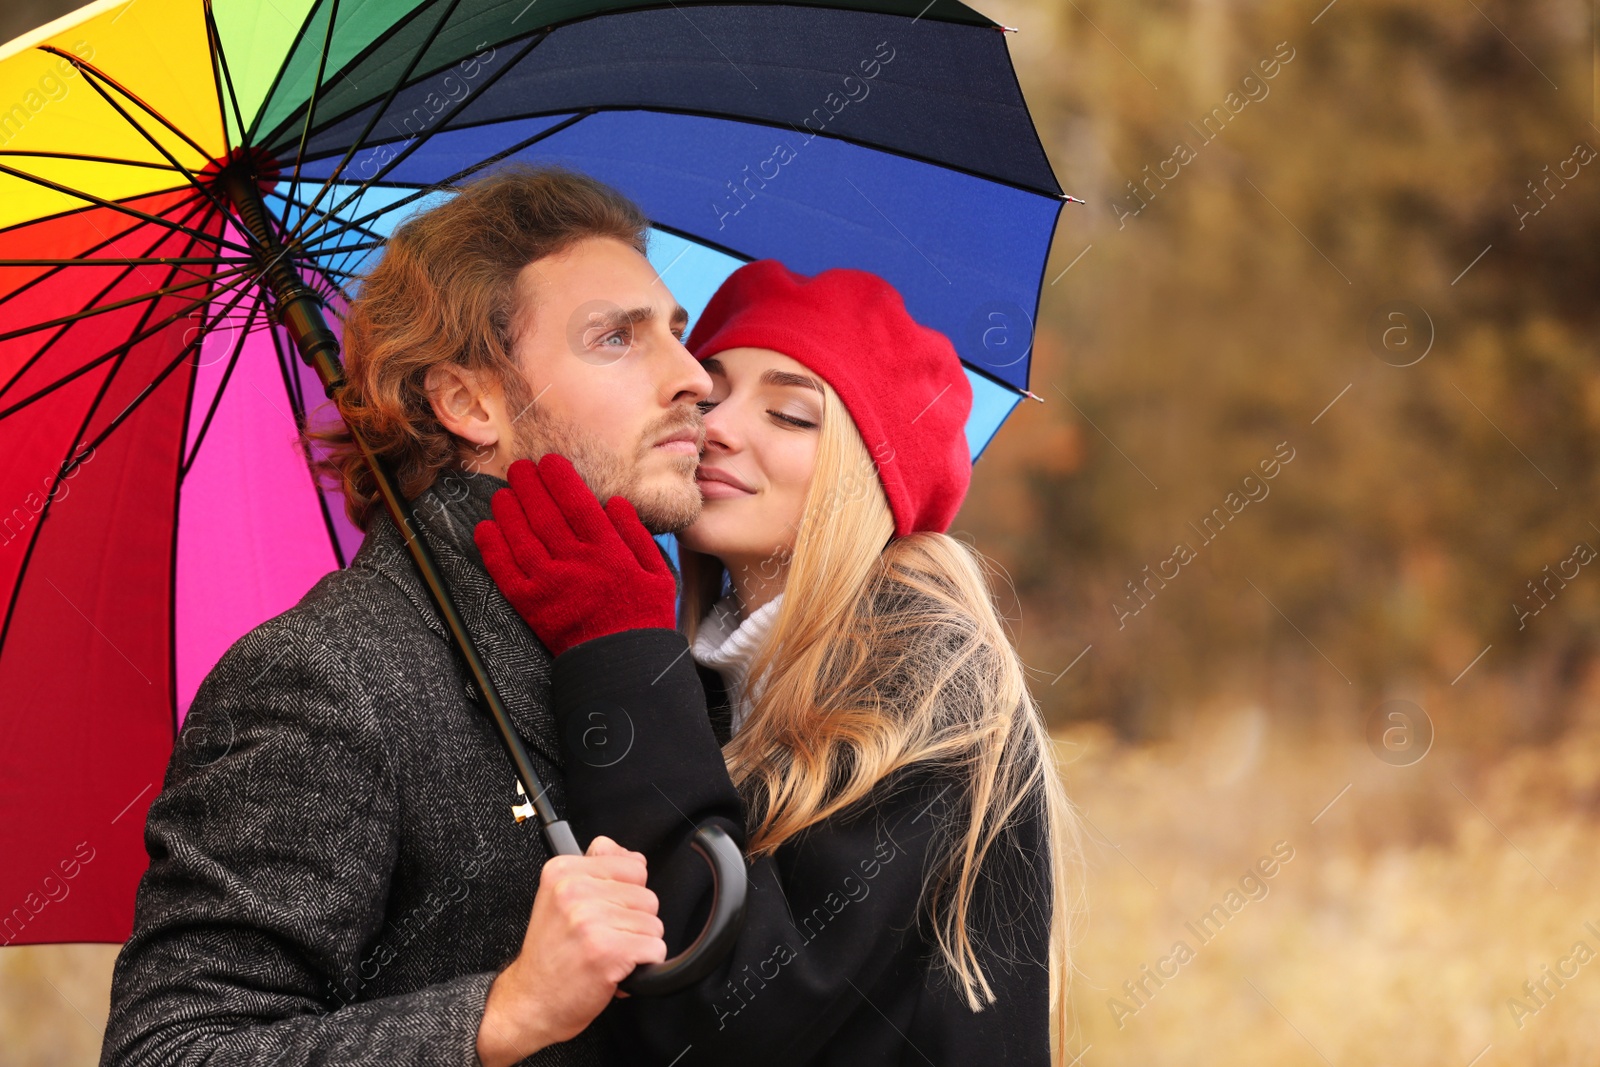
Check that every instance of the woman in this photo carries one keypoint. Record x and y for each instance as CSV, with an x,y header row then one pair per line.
x,y
853,711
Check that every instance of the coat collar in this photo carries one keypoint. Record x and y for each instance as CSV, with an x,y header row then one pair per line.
x,y
518,663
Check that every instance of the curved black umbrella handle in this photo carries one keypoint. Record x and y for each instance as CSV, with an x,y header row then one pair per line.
x,y
728,880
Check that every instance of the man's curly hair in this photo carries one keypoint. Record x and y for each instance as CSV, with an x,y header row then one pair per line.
x,y
445,291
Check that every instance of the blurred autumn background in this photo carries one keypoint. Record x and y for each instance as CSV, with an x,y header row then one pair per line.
x,y
1297,544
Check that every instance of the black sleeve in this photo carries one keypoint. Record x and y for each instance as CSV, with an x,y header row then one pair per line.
x,y
826,916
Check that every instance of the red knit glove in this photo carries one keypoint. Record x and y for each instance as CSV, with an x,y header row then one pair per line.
x,y
573,570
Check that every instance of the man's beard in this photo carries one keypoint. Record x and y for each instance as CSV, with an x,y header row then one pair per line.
x,y
538,432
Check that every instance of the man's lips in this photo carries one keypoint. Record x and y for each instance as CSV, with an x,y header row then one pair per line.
x,y
685,442
715,483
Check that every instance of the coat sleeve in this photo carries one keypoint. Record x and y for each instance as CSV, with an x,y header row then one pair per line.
x,y
826,916
271,846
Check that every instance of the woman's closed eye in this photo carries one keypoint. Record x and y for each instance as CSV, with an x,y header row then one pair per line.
x,y
782,418
793,420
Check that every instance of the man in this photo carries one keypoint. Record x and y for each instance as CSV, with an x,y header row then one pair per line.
x,y
336,875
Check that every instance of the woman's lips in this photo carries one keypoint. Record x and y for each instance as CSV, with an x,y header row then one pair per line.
x,y
711,490
714,488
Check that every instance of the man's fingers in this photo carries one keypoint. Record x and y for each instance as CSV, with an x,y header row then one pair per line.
x,y
604,846
645,949
604,860
607,913
627,896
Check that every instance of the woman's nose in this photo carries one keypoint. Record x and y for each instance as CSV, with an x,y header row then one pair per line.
x,y
718,437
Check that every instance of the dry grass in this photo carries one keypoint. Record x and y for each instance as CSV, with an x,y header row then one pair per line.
x,y
1413,910
53,1003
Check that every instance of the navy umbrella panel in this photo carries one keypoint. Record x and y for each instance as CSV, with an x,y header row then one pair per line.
x,y
817,135
940,91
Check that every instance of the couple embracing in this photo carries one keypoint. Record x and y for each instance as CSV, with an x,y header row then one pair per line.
x,y
823,674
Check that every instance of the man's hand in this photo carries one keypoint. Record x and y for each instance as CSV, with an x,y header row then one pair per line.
x,y
593,922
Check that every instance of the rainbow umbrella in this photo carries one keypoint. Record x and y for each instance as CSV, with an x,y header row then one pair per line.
x,y
189,193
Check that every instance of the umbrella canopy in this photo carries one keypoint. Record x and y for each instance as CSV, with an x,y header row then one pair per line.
x,y
154,504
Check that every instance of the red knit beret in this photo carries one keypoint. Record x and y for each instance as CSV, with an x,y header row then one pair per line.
x,y
901,381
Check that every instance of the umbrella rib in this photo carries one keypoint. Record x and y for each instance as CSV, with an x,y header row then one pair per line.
x,y
119,350
715,246
394,90
169,209
311,103
171,366
350,250
216,398
221,387
83,260
131,261
343,255
315,261
336,270
108,287
325,276
81,158
94,83
417,141
316,482
114,206
286,125
301,205
220,60
285,361
66,464
90,312
289,55
724,116
448,180
89,68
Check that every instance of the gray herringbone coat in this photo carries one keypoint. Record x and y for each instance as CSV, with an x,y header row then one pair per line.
x,y
335,876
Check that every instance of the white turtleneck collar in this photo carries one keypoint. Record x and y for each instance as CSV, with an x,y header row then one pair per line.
x,y
728,642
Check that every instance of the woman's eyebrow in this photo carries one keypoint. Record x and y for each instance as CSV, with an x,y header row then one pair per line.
x,y
783,377
771,376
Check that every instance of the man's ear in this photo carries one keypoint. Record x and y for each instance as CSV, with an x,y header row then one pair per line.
x,y
471,405
467,403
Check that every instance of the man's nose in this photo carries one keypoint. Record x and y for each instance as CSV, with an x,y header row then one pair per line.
x,y
687,382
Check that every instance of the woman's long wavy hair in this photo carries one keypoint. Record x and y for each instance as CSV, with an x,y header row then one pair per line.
x,y
883,654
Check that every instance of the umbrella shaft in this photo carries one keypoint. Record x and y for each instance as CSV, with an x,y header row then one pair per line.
x,y
299,312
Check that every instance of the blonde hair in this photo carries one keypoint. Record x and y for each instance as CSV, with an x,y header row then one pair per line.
x,y
887,652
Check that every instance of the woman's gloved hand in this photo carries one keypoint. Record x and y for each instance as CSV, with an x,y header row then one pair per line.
x,y
573,570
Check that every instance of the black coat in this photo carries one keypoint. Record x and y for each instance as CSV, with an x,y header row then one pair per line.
x,y
832,966
335,875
